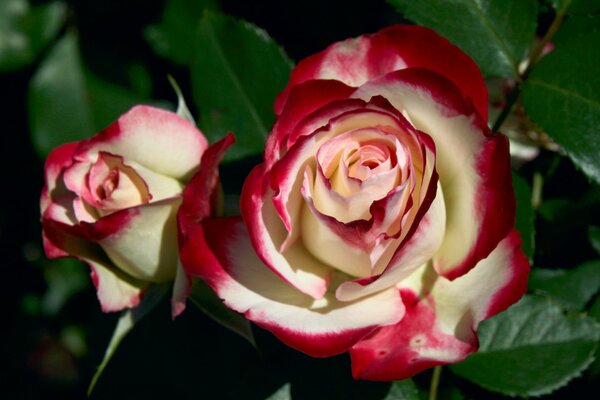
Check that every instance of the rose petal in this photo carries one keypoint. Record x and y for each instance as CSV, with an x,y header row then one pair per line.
x,y
473,164
157,139
286,176
196,205
59,159
115,289
182,287
415,252
295,265
356,61
141,240
442,316
319,328
304,100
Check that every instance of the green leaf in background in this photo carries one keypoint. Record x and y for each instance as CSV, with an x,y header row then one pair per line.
x,y
125,324
205,299
495,33
172,36
65,278
577,7
562,96
594,236
525,215
531,349
594,312
575,26
403,390
67,102
26,30
237,72
572,288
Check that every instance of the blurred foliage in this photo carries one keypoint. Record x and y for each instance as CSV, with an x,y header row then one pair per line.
x,y
26,29
69,68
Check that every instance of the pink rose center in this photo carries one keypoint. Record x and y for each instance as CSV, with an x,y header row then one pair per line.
x,y
365,160
112,185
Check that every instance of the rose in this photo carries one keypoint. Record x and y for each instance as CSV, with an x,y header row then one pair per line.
x,y
111,201
381,220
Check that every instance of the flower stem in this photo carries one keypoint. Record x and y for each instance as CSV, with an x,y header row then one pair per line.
x,y
536,51
534,55
435,381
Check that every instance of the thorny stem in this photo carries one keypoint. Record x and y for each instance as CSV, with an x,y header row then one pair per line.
x,y
435,381
534,55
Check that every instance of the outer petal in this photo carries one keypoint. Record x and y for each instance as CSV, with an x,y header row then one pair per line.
x,y
356,61
196,206
295,265
182,287
140,240
472,163
442,316
220,252
157,139
116,290
304,99
59,159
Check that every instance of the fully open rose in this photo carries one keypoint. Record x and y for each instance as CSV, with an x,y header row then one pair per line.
x,y
111,201
381,220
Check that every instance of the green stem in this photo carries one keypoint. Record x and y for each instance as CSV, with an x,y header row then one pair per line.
x,y
533,57
536,51
511,99
435,381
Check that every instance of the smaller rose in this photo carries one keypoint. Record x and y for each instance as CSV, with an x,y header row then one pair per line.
x,y
111,201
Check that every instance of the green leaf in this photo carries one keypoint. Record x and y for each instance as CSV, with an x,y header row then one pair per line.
x,y
125,324
205,299
65,278
572,288
531,349
171,37
581,7
594,312
403,390
182,108
577,7
495,33
562,95
237,72
575,26
525,215
594,236
26,30
68,103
